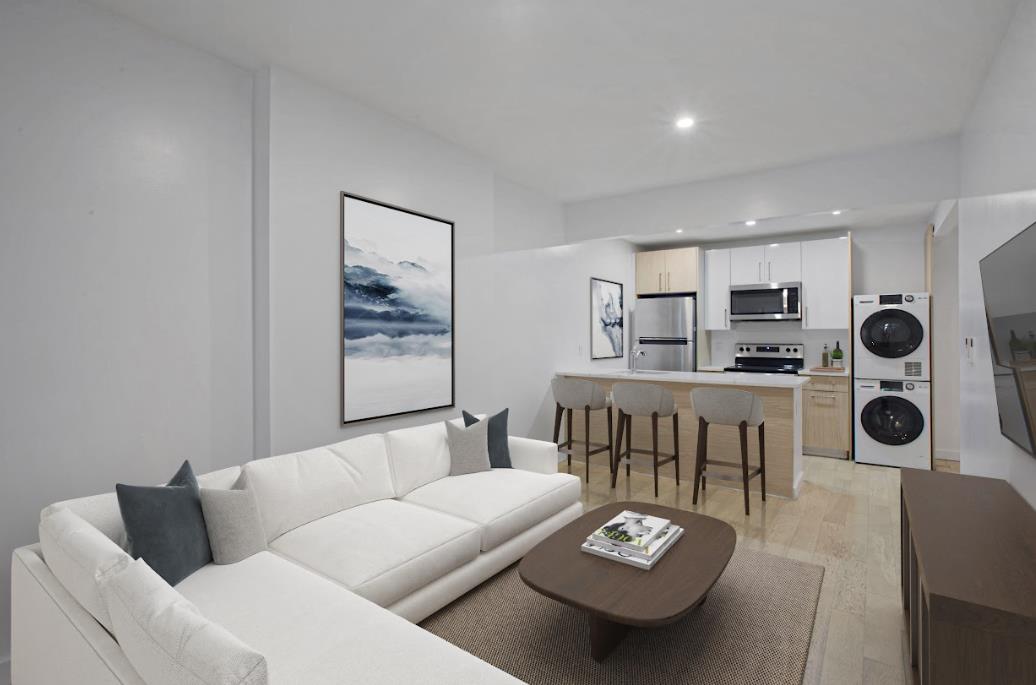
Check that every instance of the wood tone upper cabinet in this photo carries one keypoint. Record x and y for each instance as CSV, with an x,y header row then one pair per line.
x,y
667,271
825,284
717,290
681,266
825,417
782,263
650,272
746,265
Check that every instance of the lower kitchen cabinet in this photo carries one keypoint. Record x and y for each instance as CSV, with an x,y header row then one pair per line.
x,y
825,417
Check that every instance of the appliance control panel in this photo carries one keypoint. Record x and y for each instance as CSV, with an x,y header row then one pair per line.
x,y
770,350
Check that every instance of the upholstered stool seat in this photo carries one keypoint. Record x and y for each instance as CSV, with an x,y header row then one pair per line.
x,y
644,399
572,394
728,407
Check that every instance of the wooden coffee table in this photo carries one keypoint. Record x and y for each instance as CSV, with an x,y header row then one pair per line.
x,y
616,596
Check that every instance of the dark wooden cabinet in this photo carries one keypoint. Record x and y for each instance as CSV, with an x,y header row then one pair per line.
x,y
969,578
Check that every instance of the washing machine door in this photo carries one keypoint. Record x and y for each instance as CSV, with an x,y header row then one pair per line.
x,y
891,333
892,420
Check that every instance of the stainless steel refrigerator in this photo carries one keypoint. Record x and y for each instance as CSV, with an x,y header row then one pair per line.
x,y
664,329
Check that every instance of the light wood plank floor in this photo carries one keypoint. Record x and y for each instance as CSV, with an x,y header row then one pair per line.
x,y
846,519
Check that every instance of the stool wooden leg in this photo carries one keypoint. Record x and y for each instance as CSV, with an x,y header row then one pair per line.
x,y
762,460
654,448
699,457
568,429
742,428
609,438
558,411
676,447
629,443
618,447
586,427
704,454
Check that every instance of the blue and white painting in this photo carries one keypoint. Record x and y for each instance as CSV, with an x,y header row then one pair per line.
x,y
606,319
397,311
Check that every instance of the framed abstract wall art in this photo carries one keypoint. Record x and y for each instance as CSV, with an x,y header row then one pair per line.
x,y
606,319
397,310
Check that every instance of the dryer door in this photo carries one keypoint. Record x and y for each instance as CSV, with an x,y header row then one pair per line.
x,y
892,420
891,333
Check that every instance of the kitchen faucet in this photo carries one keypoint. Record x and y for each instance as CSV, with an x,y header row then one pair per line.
x,y
634,353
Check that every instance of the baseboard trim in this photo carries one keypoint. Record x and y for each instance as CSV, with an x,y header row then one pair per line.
x,y
949,455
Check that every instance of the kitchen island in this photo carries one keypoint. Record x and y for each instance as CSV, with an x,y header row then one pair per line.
x,y
782,406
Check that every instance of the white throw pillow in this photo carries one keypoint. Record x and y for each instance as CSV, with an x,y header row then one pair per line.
x,y
167,640
76,554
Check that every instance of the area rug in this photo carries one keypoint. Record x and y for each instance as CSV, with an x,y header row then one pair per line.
x,y
755,627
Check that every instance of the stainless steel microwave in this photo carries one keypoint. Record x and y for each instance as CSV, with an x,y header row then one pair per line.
x,y
766,302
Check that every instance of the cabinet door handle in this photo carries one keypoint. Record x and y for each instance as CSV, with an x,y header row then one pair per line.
x,y
668,285
805,316
659,281
769,271
726,320
760,272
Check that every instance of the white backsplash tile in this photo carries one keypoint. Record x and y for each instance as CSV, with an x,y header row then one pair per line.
x,y
722,343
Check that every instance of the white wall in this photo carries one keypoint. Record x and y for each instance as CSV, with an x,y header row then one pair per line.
x,y
998,154
946,347
889,259
124,261
985,224
517,313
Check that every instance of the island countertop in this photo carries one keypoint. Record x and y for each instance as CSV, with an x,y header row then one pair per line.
x,y
757,380
782,406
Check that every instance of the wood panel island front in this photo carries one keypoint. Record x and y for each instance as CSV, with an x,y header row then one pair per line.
x,y
782,406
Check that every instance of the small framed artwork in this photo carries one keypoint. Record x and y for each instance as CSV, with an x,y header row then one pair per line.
x,y
606,319
397,310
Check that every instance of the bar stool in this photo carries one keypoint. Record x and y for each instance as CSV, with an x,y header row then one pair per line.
x,y
728,407
644,399
574,393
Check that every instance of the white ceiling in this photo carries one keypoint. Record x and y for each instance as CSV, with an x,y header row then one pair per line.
x,y
578,97
905,215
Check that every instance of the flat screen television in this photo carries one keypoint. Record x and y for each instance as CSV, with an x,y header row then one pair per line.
x,y
1009,289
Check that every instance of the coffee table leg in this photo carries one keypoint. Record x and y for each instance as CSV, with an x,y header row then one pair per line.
x,y
605,636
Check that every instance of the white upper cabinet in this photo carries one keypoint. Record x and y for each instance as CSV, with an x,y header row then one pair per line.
x,y
825,284
717,290
746,265
783,263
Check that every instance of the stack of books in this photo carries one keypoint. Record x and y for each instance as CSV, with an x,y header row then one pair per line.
x,y
635,539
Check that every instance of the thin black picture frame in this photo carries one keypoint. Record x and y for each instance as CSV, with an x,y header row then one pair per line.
x,y
343,196
622,297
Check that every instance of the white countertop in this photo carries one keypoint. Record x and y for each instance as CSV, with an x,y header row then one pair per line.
x,y
836,374
758,380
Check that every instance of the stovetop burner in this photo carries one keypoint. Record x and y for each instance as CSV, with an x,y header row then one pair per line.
x,y
768,358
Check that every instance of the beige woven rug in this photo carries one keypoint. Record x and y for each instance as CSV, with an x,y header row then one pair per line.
x,y
755,627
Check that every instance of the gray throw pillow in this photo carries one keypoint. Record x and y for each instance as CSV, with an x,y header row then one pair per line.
x,y
499,450
234,524
469,448
165,526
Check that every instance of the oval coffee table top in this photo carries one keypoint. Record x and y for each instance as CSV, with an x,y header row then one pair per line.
x,y
559,569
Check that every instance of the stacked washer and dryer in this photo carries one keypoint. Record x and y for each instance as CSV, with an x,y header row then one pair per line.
x,y
892,380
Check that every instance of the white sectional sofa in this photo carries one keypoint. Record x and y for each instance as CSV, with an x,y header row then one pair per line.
x,y
365,537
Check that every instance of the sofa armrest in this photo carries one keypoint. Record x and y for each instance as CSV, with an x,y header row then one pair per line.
x,y
538,456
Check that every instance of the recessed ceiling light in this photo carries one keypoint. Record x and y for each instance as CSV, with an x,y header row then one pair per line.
x,y
679,230
750,222
837,212
684,122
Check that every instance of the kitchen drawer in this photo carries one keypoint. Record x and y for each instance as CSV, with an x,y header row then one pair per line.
x,y
828,384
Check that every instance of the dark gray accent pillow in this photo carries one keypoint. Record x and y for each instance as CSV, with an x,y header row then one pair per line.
x,y
499,452
165,525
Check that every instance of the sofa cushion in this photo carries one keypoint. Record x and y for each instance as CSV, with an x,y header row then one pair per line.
x,y
167,640
76,553
315,632
234,524
382,550
102,511
504,502
294,489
